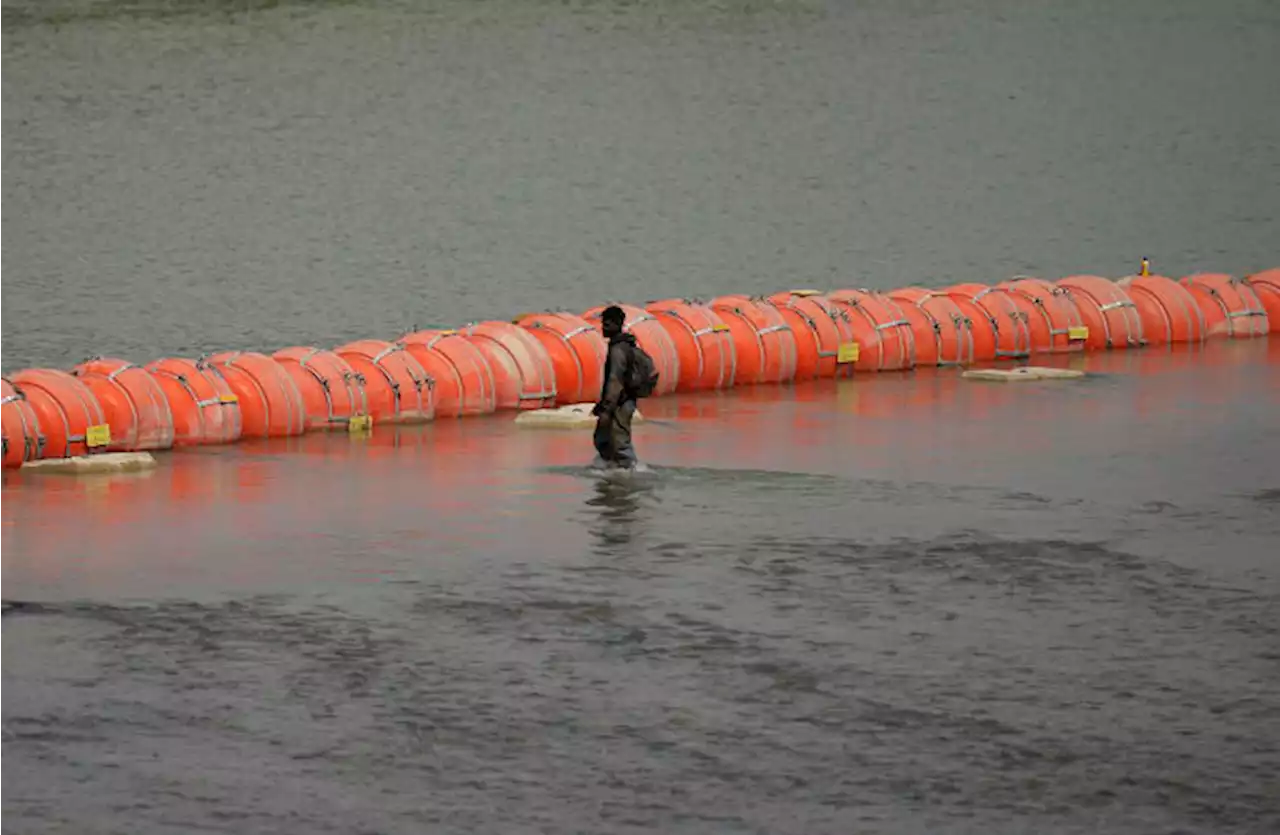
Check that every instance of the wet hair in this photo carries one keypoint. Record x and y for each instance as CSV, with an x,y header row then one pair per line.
x,y
613,313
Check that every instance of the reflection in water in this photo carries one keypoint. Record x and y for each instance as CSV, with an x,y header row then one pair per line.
x,y
618,506
917,563
1027,608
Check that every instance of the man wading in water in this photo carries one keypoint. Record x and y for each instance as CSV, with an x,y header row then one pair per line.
x,y
628,374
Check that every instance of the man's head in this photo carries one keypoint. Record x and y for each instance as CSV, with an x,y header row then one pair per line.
x,y
611,321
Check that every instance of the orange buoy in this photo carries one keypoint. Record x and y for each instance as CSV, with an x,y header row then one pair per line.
x,y
883,332
1230,306
748,353
924,336
68,414
1053,322
396,386
204,408
825,340
805,334
1168,311
464,380
653,338
527,379
1013,336
132,401
576,349
945,334
1266,286
270,404
1106,310
981,326
763,344
702,342
332,391
21,428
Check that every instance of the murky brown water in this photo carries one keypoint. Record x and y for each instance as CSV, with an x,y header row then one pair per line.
x,y
904,604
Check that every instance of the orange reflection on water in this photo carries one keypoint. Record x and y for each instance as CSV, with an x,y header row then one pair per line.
x,y
349,505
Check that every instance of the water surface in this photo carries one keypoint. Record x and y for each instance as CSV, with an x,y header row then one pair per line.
x,y
903,604
191,177
897,604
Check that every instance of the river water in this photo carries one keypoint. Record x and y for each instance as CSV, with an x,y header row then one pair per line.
x,y
897,604
904,603
190,178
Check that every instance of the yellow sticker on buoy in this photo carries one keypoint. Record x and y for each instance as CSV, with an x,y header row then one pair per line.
x,y
360,424
806,293
1078,332
96,436
847,352
721,327
228,398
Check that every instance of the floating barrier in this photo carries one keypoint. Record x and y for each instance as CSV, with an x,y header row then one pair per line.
x,y
21,429
133,404
1008,323
204,408
826,345
68,415
763,342
576,350
1266,286
703,344
882,331
396,386
925,336
1168,311
521,367
941,332
1052,319
1107,311
270,403
332,391
464,380
653,337
1229,305
548,366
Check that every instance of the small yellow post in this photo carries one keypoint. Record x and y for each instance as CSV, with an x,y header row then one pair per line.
x,y
1146,266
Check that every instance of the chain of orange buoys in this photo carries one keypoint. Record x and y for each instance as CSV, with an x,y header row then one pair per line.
x,y
547,359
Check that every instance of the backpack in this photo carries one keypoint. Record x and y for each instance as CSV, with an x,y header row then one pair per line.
x,y
642,374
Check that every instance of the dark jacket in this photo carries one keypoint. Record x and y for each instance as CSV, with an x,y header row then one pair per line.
x,y
614,390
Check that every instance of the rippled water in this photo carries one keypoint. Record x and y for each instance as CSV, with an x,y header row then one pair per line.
x,y
192,178
899,604
908,603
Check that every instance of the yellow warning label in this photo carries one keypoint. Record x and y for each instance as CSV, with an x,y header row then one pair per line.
x,y
96,436
720,327
847,352
360,424
228,398
1078,332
